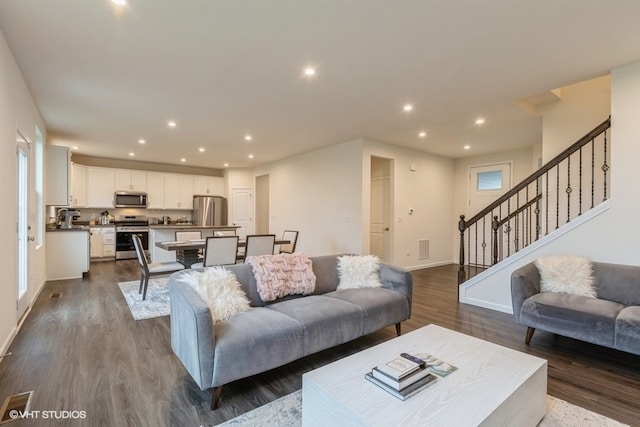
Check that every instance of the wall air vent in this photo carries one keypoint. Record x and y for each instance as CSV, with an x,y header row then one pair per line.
x,y
423,249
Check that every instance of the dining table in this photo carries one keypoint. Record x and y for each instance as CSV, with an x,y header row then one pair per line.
x,y
187,250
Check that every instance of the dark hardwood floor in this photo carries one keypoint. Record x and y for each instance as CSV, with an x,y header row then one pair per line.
x,y
83,351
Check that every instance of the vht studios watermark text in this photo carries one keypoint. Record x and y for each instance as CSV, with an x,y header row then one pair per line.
x,y
48,415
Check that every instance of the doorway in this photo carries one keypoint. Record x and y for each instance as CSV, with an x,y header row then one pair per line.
x,y
262,204
23,156
380,209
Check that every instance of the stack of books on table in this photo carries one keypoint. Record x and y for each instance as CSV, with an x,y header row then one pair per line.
x,y
401,377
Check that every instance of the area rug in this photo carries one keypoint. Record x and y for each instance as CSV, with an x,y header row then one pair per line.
x,y
155,305
287,412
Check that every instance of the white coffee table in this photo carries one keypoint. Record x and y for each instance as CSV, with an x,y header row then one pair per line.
x,y
493,386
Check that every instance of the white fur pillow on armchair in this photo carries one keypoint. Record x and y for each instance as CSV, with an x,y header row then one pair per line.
x,y
567,275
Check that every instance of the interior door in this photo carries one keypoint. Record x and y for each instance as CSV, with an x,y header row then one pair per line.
x,y
23,227
241,210
380,200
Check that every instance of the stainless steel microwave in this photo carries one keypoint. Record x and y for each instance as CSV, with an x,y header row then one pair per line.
x,y
128,199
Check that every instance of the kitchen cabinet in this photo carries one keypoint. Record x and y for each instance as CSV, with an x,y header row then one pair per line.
x,y
79,186
208,186
130,180
103,242
155,190
67,253
178,191
58,175
100,187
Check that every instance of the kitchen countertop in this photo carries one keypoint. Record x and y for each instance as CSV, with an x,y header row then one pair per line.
x,y
191,226
73,228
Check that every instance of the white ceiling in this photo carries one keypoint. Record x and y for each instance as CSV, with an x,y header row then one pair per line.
x,y
104,76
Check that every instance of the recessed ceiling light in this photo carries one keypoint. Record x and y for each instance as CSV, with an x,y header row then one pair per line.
x,y
142,141
226,164
309,71
467,147
171,124
480,121
422,134
251,156
201,149
248,137
183,160
132,154
407,108
120,2
75,147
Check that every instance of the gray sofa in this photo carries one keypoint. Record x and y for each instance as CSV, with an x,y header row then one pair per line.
x,y
273,334
611,320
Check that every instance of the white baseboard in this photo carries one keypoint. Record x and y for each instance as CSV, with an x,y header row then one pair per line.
x,y
487,304
429,265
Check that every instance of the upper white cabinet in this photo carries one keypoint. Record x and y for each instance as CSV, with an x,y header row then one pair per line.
x,y
208,186
93,187
58,173
155,190
178,191
79,186
100,187
131,180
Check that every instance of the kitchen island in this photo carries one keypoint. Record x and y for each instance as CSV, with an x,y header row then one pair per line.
x,y
165,233
67,252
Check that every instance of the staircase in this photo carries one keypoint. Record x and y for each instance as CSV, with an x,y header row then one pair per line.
x,y
572,183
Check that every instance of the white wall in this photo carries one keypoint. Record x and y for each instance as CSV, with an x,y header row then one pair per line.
x,y
319,194
608,236
17,111
428,191
326,195
583,106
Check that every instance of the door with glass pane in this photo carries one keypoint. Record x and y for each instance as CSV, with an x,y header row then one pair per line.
x,y
486,184
22,227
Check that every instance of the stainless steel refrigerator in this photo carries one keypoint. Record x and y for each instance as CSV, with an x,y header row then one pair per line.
x,y
209,210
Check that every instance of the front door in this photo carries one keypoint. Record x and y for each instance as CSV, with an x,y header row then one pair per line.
x,y
22,227
486,184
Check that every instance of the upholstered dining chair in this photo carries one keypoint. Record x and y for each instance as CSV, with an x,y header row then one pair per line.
x,y
224,233
153,269
188,235
292,237
259,244
219,250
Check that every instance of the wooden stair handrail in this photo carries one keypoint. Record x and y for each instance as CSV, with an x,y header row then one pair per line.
x,y
540,172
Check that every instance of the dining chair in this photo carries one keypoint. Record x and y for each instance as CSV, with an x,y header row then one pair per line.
x,y
292,237
151,269
219,250
259,244
224,233
188,235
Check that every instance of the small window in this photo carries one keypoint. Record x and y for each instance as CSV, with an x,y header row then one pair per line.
x,y
491,180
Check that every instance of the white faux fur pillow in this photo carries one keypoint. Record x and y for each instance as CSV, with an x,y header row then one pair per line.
x,y
220,290
358,272
566,275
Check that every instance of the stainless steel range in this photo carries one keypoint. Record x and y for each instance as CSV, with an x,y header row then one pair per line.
x,y
126,226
